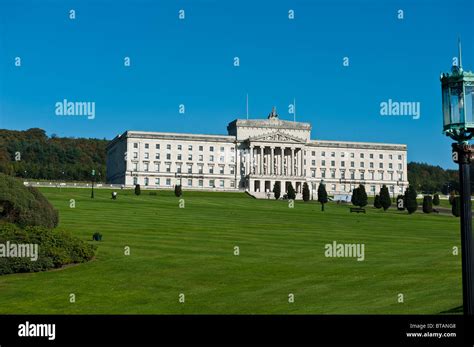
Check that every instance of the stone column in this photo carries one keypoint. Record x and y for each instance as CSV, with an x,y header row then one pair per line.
x,y
250,161
262,151
292,163
302,162
272,166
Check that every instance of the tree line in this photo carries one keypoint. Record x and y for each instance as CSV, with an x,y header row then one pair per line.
x,y
33,154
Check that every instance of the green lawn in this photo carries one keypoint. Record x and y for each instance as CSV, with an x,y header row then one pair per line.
x,y
191,250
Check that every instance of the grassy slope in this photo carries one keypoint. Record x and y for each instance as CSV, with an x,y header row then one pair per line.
x,y
190,251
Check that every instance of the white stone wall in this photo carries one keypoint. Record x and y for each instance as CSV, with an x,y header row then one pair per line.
x,y
213,162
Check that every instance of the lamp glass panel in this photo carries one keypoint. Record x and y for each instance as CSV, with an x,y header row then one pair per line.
x,y
456,104
446,108
469,100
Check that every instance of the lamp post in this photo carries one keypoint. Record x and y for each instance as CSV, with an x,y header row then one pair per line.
x,y
458,123
93,180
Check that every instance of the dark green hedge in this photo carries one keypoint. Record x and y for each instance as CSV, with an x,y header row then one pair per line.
x,y
25,205
55,249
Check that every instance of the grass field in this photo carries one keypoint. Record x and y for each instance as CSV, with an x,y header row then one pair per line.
x,y
191,250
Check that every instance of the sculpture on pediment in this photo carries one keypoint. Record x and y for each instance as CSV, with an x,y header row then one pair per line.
x,y
273,114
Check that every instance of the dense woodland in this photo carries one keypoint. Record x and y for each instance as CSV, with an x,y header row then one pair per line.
x,y
32,154
61,158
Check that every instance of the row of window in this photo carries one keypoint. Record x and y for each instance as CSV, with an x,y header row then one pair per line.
x,y
361,175
187,168
352,155
185,182
179,147
179,157
361,164
373,189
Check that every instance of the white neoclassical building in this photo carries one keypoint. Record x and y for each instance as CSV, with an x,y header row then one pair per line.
x,y
252,157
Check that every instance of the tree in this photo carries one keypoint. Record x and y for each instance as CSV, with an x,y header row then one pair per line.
x,y
377,203
410,199
277,190
305,192
362,196
456,206
400,203
178,191
355,197
427,204
291,192
322,195
137,189
385,198
436,200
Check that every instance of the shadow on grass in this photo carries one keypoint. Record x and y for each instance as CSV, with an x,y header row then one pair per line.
x,y
453,310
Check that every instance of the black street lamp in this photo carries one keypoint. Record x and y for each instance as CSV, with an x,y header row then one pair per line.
x,y
93,180
458,123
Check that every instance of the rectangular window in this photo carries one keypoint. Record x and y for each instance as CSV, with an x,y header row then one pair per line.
x,y
135,180
371,165
399,157
390,165
135,155
343,174
201,148
221,183
178,168
352,155
200,170
390,156
232,170
361,164
211,169
323,154
333,154
380,165
190,157
168,146
147,146
201,183
380,156
190,147
190,182
201,157
222,149
168,167
323,162
352,164
135,145
212,184
313,162
211,158
157,156
333,174
168,181
146,181
221,159
313,173
179,157
145,166
190,169
211,149
313,153
157,146
333,163
157,167
323,173
135,167
180,147
221,170
157,181
168,156
371,156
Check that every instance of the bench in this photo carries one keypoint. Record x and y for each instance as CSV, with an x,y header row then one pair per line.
x,y
357,209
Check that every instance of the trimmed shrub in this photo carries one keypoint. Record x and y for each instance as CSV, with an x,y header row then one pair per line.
x,y
55,249
291,192
355,197
25,206
410,200
436,200
305,192
385,198
400,203
137,189
277,190
427,204
377,203
456,206
178,191
362,196
322,195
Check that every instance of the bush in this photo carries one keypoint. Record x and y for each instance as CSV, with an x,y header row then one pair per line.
x,y
25,206
385,198
362,196
291,192
97,236
305,192
178,191
400,203
410,200
436,200
137,189
55,249
355,197
427,204
322,195
377,203
456,206
277,190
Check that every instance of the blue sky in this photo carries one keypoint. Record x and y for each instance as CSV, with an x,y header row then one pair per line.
x,y
190,62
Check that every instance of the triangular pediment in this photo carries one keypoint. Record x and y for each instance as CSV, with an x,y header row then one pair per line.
x,y
276,136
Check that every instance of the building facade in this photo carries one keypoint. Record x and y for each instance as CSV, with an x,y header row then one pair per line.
x,y
254,156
